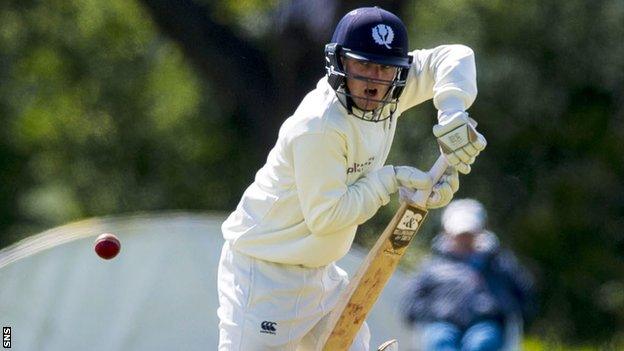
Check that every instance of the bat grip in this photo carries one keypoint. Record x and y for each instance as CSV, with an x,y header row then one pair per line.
x,y
438,169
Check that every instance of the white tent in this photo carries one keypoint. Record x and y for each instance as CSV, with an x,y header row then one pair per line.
x,y
159,293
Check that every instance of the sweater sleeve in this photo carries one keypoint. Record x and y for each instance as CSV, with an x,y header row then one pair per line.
x,y
446,73
328,204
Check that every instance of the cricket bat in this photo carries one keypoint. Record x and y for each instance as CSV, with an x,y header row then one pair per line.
x,y
345,320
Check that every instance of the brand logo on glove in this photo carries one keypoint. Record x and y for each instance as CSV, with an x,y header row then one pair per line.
x,y
454,139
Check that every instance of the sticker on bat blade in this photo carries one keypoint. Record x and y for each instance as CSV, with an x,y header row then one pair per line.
x,y
407,227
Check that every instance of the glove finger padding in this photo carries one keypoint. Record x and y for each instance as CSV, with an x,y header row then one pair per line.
x,y
444,189
452,177
463,155
412,177
463,168
471,150
480,143
439,194
442,192
406,194
474,147
458,139
452,160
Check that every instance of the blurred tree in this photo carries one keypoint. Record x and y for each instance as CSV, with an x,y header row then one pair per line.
x,y
102,114
263,56
551,102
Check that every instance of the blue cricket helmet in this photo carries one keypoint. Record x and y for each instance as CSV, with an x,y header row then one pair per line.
x,y
374,35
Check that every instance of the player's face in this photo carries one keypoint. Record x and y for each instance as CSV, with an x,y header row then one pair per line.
x,y
464,243
368,95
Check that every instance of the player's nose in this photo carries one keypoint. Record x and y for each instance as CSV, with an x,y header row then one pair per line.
x,y
375,71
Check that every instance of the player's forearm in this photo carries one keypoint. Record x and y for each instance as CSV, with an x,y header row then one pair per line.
x,y
446,73
328,202
357,204
455,86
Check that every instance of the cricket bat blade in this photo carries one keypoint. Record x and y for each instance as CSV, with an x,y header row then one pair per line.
x,y
357,300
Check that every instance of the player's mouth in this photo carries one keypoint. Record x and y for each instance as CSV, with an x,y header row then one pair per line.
x,y
370,93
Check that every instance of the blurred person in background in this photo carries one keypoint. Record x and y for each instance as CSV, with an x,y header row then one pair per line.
x,y
470,294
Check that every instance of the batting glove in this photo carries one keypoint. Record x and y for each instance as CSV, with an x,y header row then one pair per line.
x,y
392,178
442,192
458,139
412,178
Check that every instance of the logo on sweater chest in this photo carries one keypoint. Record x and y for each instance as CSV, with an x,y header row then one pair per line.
x,y
360,167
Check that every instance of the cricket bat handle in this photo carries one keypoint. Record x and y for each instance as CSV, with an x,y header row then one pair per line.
x,y
436,172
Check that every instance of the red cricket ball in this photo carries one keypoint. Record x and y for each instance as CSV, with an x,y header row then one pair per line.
x,y
107,246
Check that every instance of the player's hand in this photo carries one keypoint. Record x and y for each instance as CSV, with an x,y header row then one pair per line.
x,y
412,178
442,192
458,139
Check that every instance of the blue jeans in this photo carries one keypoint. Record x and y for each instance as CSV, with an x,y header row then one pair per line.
x,y
482,336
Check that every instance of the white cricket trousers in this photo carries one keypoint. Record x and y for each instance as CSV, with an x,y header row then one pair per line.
x,y
271,306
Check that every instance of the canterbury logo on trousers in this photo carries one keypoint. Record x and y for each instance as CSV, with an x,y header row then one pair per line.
x,y
268,327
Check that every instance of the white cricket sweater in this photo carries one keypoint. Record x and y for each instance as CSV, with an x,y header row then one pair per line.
x,y
322,178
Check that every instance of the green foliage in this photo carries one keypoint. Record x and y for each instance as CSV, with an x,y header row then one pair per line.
x,y
102,115
534,344
551,105
253,17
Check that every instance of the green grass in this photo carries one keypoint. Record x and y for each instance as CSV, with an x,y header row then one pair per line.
x,y
534,344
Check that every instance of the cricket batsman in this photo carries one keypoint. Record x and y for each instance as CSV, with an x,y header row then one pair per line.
x,y
277,277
